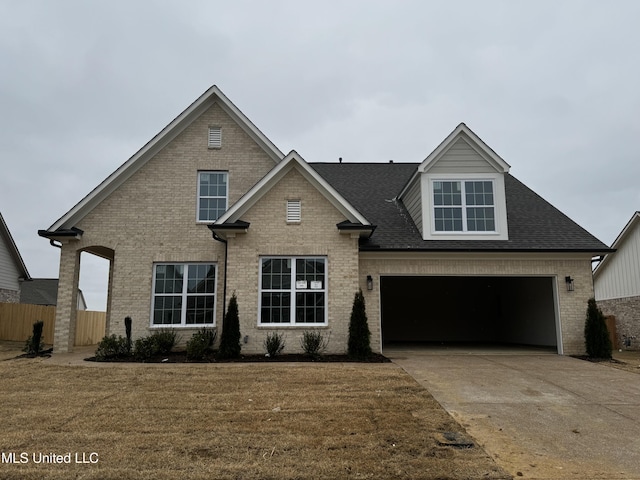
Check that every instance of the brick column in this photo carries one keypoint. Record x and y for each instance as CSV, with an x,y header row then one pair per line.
x,y
69,276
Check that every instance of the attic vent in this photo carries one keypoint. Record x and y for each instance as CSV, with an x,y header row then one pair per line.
x,y
294,211
215,137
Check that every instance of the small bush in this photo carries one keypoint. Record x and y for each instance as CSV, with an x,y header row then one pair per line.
x,y
274,344
112,347
230,338
34,344
201,343
144,348
165,340
313,343
158,343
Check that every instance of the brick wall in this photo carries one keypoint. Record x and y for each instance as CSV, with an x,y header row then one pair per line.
x,y
152,218
316,234
627,313
9,296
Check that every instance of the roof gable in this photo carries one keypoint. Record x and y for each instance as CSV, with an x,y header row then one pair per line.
x,y
618,243
292,160
478,153
212,96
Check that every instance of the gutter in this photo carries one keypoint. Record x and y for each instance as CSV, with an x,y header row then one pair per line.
x,y
224,286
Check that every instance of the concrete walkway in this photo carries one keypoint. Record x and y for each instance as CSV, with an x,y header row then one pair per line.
x,y
539,415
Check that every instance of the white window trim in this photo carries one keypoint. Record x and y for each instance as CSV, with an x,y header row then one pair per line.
x,y
183,313
499,205
292,323
198,197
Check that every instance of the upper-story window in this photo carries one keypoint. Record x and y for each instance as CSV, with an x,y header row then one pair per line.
x,y
464,206
213,195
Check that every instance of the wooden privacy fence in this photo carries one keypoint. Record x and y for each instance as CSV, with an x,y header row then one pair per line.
x,y
17,319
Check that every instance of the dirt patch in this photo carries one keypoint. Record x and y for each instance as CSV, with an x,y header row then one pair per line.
x,y
228,421
627,361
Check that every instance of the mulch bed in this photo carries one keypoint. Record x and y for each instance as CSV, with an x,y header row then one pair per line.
x,y
181,357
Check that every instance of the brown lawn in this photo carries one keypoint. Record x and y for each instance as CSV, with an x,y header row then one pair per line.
x,y
227,421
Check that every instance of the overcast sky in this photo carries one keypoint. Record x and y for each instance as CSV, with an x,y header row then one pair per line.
x,y
552,86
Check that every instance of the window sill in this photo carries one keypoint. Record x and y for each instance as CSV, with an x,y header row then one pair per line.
x,y
179,326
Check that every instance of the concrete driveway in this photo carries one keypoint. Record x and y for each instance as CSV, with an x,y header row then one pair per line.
x,y
539,415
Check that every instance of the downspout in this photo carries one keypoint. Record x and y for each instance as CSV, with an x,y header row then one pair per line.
x,y
224,286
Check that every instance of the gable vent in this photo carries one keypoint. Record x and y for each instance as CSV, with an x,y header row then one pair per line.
x,y
294,211
215,137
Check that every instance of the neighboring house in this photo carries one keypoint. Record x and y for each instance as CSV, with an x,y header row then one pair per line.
x,y
44,291
452,249
13,271
616,283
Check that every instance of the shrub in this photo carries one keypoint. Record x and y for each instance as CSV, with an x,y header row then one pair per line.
x,y
274,344
201,343
359,335
230,338
112,347
165,340
160,342
145,348
596,335
34,344
313,343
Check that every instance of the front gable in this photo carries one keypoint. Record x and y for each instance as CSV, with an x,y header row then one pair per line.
x,y
351,219
458,192
192,128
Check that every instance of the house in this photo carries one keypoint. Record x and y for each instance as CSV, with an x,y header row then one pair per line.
x,y
616,282
44,291
450,249
13,271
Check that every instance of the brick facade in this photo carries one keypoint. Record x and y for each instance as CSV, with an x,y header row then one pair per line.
x,y
627,313
152,218
316,235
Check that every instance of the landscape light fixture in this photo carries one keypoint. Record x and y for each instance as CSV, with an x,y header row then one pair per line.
x,y
569,281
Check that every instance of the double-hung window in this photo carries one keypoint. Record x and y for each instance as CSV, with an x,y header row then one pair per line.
x,y
293,290
184,294
213,195
464,206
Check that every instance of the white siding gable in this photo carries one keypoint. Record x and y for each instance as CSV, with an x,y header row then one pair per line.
x,y
413,201
620,276
9,273
462,161
461,157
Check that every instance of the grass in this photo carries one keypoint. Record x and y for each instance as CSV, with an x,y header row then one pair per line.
x,y
229,421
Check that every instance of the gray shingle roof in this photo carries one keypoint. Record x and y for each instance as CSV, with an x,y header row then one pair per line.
x,y
534,224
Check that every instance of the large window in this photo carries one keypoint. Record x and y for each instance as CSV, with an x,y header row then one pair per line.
x,y
184,294
293,290
463,206
213,194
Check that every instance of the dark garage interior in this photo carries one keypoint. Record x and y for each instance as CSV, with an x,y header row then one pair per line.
x,y
483,310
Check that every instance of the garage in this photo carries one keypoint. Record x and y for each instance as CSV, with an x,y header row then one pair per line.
x,y
506,310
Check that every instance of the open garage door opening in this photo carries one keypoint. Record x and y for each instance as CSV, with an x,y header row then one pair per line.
x,y
518,311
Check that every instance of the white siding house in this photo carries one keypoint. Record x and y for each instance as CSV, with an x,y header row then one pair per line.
x,y
616,282
12,267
